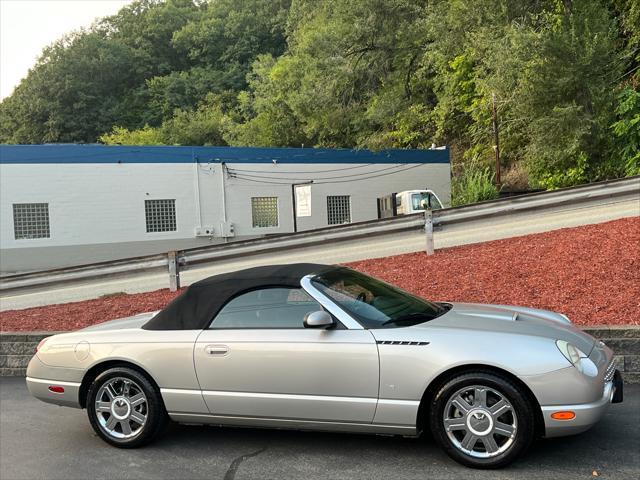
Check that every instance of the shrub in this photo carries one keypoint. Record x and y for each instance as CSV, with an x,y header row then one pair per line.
x,y
474,185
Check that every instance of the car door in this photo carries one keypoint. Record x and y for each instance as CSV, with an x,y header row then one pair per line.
x,y
258,360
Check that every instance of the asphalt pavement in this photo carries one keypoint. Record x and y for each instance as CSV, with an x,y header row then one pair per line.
x,y
42,441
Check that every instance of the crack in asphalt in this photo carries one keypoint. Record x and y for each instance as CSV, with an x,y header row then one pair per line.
x,y
233,468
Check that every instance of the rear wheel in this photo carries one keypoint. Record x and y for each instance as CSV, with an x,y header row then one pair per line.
x,y
124,408
482,420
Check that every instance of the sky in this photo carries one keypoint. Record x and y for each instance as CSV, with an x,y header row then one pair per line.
x,y
27,26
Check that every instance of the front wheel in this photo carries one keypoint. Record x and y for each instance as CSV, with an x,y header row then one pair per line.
x,y
482,420
124,408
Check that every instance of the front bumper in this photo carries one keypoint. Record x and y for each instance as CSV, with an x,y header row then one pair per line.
x,y
586,415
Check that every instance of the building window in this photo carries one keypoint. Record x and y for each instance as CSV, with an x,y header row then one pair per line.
x,y
339,209
161,215
264,211
31,220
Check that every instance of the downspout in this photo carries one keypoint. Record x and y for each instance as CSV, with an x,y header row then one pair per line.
x,y
224,196
196,189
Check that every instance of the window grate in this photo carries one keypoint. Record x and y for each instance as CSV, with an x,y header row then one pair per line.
x,y
338,209
264,211
31,220
160,215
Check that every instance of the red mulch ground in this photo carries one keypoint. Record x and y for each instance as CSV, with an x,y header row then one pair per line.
x,y
590,273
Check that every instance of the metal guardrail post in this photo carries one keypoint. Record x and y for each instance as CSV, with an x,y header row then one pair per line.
x,y
174,271
428,230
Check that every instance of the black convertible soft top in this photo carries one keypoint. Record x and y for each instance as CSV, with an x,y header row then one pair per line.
x,y
195,308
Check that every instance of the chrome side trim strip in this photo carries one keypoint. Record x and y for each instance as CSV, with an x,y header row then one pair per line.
x,y
180,391
403,403
53,382
327,303
286,396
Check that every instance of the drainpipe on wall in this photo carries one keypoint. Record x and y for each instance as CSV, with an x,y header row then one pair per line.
x,y
196,190
224,195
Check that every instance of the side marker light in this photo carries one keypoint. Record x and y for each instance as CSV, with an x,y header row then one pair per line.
x,y
566,415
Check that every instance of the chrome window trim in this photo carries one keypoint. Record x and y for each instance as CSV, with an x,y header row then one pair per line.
x,y
346,319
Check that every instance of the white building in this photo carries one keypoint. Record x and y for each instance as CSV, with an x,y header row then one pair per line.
x,y
64,205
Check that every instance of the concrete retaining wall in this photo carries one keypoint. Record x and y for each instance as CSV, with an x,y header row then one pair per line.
x,y
16,349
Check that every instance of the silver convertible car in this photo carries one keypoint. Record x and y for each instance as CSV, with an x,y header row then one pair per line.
x,y
308,346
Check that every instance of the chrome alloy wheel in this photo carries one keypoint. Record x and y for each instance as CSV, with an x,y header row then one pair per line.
x,y
480,421
121,408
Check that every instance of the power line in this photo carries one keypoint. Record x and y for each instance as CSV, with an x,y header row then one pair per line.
x,y
375,176
315,177
319,171
234,175
241,177
621,77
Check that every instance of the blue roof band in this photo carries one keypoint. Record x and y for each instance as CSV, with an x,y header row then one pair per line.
x,y
78,154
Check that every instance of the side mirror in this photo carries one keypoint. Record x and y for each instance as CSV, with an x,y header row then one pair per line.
x,y
319,319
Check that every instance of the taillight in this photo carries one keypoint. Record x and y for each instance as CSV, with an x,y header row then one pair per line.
x,y
41,344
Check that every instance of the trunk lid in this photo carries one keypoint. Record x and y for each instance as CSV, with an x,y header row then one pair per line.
x,y
133,322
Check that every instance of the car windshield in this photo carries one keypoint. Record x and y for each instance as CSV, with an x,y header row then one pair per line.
x,y
424,200
374,303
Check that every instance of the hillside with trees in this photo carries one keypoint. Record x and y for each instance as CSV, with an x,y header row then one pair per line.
x,y
355,73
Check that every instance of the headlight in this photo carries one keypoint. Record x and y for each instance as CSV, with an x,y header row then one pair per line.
x,y
571,353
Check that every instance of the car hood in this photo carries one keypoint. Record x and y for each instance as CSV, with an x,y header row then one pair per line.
x,y
122,323
517,320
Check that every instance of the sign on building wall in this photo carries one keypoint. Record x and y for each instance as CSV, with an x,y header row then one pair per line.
x,y
303,200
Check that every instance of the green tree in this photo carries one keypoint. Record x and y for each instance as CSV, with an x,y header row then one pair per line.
x,y
347,61
143,136
626,130
354,73
203,125
61,101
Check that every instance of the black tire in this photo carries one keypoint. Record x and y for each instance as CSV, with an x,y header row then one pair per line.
x,y
152,409
515,445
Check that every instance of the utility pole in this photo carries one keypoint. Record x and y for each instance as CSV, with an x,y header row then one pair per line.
x,y
496,138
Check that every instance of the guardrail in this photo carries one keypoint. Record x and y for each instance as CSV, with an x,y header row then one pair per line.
x,y
175,261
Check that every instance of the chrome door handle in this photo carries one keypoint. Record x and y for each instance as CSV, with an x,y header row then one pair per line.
x,y
216,350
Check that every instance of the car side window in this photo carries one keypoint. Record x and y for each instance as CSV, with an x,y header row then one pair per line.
x,y
434,202
266,308
415,201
